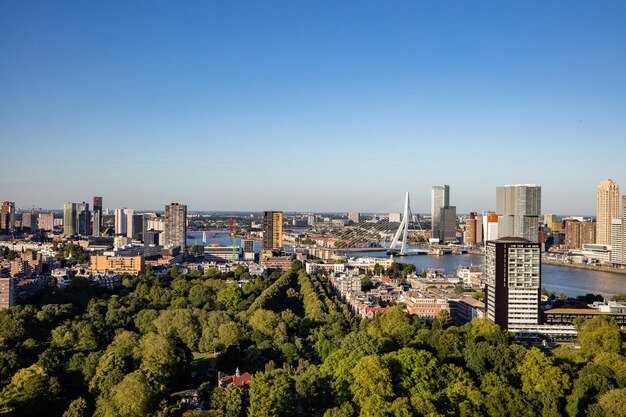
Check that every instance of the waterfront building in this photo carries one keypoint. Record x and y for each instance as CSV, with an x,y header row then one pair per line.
x,y
607,209
45,221
513,282
133,265
7,292
518,208
272,230
617,242
175,233
7,217
439,199
579,233
354,217
120,221
447,226
97,216
69,218
469,238
490,226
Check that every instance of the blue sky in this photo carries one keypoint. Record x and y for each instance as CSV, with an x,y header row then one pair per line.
x,y
324,105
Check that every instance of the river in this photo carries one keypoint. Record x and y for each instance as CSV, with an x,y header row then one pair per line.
x,y
571,281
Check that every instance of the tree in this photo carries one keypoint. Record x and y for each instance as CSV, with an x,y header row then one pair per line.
x,y
599,334
77,408
133,396
613,403
31,389
230,297
161,360
372,386
272,394
543,382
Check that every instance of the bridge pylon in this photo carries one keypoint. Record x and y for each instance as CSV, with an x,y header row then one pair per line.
x,y
402,229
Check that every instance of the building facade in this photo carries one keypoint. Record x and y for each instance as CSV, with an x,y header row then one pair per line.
x,y
45,221
513,282
7,292
354,217
133,265
607,209
579,233
518,208
69,218
439,199
175,225
272,230
7,217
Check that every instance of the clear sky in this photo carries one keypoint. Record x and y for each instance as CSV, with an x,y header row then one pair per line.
x,y
318,105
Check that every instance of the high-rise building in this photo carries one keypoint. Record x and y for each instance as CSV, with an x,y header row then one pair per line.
x,y
28,222
440,198
83,219
97,216
7,217
7,292
137,230
120,221
518,208
479,229
175,232
447,229
513,282
70,218
490,226
45,221
618,237
552,221
272,230
354,217
607,209
469,238
579,233
130,232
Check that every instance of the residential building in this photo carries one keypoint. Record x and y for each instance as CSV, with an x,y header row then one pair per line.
x,y
45,221
136,232
7,217
272,230
440,199
276,262
513,282
469,238
29,223
70,218
518,208
242,381
607,209
175,225
426,305
465,309
579,233
133,265
617,242
354,217
121,221
7,292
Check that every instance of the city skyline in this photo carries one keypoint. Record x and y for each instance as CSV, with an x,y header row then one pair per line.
x,y
213,90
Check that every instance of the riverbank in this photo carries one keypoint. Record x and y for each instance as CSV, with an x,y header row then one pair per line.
x,y
584,266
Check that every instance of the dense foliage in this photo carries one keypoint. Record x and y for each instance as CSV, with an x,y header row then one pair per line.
x,y
82,351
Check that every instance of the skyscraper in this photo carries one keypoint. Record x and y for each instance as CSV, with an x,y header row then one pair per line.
x,y
607,209
130,232
470,230
440,198
272,230
518,208
83,219
618,237
175,232
46,221
513,282
97,216
120,221
69,218
7,217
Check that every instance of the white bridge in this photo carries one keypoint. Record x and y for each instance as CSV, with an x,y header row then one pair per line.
x,y
403,230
